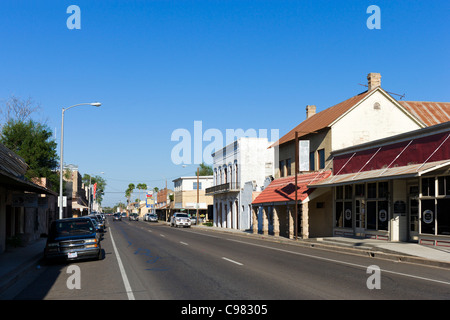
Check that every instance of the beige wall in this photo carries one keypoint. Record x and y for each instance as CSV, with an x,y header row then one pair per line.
x,y
317,141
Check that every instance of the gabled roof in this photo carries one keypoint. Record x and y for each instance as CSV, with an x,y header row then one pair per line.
x,y
322,119
429,113
283,189
425,113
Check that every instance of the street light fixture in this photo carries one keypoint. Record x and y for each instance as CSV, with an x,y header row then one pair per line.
x,y
95,104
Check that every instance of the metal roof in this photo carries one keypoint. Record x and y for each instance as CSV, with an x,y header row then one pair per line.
x,y
429,113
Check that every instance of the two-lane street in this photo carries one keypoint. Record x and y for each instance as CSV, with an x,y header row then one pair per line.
x,y
145,260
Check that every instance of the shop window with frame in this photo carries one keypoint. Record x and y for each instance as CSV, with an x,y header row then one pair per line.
x,y
343,207
435,208
443,216
378,206
444,186
427,223
428,187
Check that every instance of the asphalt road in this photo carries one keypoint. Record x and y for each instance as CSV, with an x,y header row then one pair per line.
x,y
152,261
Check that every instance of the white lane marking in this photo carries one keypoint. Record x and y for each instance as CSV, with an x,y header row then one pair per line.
x,y
343,262
184,243
122,270
238,263
327,259
162,235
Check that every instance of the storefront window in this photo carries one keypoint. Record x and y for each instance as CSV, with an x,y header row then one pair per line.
x,y
383,216
383,189
360,190
435,209
428,187
427,222
443,216
339,214
371,190
371,215
375,215
444,186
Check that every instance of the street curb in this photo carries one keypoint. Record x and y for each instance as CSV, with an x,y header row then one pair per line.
x,y
378,253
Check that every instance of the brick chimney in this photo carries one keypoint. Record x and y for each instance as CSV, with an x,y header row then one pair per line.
x,y
310,111
373,80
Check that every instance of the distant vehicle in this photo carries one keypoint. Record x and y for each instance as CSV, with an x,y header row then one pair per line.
x,y
180,219
73,239
117,217
133,217
152,217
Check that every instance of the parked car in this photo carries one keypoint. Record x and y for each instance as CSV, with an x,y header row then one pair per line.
x,y
117,217
152,217
180,219
99,220
73,239
133,217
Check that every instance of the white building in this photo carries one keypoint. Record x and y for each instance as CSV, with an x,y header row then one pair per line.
x,y
185,193
245,162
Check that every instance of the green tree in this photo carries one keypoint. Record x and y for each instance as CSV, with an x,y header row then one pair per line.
x,y
101,185
205,170
141,186
33,142
129,191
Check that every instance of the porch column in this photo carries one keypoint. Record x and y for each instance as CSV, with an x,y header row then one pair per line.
x,y
305,221
290,221
224,213
231,204
276,222
265,226
215,214
255,219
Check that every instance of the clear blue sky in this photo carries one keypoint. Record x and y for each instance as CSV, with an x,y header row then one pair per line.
x,y
158,66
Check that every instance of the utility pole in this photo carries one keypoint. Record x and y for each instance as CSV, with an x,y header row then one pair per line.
x,y
296,171
196,222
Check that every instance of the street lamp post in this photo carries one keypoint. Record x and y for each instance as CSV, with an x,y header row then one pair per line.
x,y
95,104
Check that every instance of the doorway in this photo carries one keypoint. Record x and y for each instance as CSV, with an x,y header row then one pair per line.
x,y
360,217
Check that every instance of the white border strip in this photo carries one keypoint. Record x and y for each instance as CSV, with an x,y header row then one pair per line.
x,y
122,270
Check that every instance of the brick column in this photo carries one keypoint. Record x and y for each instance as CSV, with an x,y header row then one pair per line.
x,y
255,219
290,221
305,221
265,226
276,222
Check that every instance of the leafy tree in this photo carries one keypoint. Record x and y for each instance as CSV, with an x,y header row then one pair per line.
x,y
101,185
129,191
141,186
33,142
205,170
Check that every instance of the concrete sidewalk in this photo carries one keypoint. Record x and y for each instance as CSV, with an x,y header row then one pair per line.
x,y
15,263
